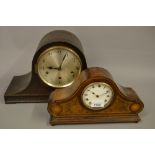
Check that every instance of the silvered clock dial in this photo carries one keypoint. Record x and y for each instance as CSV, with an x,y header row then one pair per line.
x,y
58,66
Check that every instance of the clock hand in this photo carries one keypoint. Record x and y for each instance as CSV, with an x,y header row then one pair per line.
x,y
62,62
52,68
94,94
103,94
58,68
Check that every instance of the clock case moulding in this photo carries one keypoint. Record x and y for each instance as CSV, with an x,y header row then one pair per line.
x,y
29,88
66,107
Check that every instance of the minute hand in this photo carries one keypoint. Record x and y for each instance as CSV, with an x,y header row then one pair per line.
x,y
62,62
103,94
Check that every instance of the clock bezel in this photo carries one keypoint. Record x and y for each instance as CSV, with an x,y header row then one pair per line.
x,y
50,49
98,108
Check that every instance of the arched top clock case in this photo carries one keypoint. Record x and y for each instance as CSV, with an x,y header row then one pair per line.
x,y
66,105
30,88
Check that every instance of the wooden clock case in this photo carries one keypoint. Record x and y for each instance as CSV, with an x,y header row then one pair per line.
x,y
29,88
66,107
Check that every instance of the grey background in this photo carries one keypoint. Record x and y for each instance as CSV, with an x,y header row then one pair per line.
x,y
127,52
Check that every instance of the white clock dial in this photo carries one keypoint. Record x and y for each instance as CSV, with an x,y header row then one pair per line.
x,y
59,66
97,95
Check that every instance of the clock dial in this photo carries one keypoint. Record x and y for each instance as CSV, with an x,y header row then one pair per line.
x,y
97,95
59,66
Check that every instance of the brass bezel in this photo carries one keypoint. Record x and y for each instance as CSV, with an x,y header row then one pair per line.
x,y
98,108
50,49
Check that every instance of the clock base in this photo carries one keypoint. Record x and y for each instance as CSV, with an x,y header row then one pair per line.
x,y
25,89
117,118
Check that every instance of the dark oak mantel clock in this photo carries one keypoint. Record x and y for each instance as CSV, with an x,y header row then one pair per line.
x,y
94,98
58,61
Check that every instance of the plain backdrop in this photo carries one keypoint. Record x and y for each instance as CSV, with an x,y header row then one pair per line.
x,y
127,52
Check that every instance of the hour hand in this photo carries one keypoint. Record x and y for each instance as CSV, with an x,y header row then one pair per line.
x,y
50,67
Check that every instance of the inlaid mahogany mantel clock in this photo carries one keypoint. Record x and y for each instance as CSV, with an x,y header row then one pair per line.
x,y
58,61
94,98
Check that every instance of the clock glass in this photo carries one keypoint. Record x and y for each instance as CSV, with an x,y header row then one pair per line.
x,y
97,95
58,66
